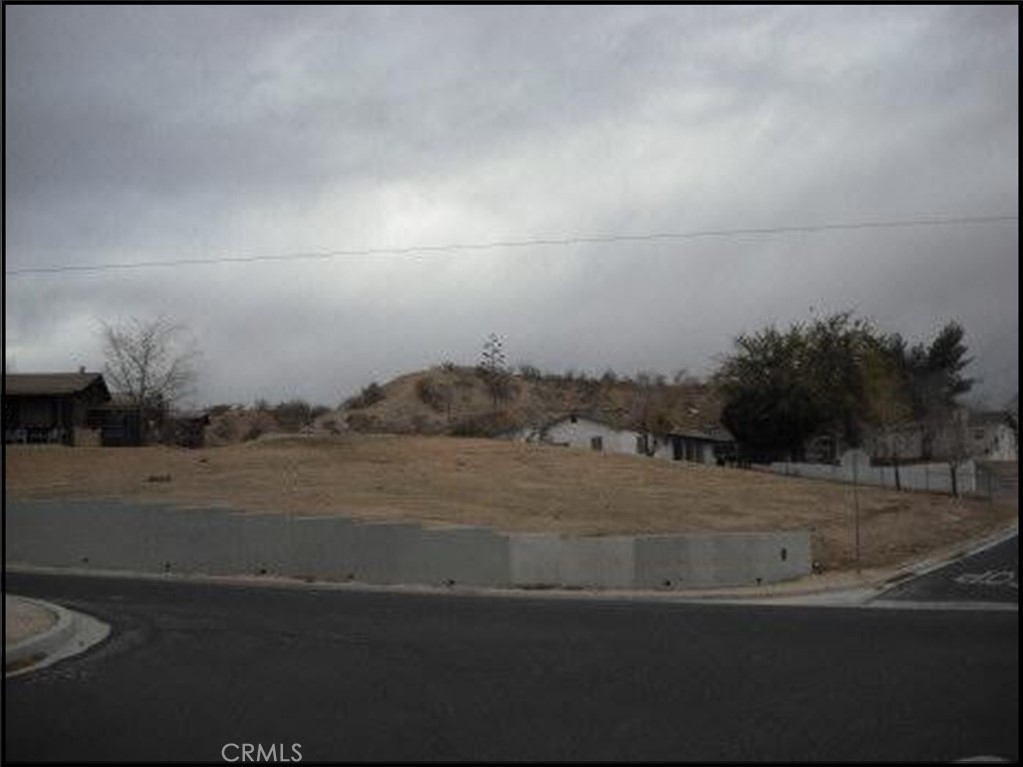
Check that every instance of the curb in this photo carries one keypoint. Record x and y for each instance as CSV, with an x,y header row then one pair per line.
x,y
71,634
44,643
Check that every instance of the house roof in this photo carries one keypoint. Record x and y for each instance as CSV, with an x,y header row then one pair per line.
x,y
710,434
51,384
604,419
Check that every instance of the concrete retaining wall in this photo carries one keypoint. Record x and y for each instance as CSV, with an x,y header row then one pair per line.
x,y
144,538
730,559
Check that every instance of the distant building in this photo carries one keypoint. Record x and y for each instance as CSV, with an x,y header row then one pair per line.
x,y
984,435
77,409
52,407
584,431
118,421
710,445
989,437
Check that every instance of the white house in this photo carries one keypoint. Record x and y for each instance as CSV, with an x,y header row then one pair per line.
x,y
988,437
583,432
591,433
981,435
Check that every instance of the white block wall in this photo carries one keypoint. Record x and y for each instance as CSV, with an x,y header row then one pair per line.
x,y
931,477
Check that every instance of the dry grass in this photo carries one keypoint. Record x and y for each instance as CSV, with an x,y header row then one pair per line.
x,y
509,486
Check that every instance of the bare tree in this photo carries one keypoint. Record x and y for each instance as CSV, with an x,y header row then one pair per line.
x,y
150,363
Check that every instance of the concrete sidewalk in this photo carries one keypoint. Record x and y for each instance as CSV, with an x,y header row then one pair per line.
x,y
38,633
23,619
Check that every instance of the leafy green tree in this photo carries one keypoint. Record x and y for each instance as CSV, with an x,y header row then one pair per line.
x,y
838,376
836,352
889,406
770,407
933,378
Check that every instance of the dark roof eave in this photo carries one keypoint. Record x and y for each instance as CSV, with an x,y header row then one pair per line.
x,y
701,436
52,384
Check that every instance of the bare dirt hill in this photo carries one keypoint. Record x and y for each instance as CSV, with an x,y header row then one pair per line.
x,y
460,401
508,486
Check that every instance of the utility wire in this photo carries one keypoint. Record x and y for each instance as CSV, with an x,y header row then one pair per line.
x,y
544,242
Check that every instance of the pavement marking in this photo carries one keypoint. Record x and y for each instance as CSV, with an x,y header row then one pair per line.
x,y
994,578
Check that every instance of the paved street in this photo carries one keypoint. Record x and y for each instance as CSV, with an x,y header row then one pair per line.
x,y
370,675
988,576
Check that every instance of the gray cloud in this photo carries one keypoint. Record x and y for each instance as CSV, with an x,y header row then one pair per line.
x,y
146,133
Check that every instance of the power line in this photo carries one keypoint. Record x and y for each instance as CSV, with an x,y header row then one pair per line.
x,y
542,242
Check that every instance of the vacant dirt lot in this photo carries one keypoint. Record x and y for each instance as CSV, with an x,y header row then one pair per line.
x,y
512,487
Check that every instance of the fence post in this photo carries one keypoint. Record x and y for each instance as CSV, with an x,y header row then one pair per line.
x,y
856,507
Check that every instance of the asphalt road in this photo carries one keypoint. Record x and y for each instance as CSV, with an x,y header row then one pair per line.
x,y
991,575
192,668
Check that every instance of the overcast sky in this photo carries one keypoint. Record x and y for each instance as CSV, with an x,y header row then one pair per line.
x,y
140,134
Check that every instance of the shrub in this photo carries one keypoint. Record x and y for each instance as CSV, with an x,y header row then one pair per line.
x,y
530,372
589,388
433,394
254,431
223,430
484,425
293,415
361,422
370,395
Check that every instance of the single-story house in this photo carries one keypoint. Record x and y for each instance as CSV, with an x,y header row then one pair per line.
x,y
118,421
52,407
120,424
985,435
989,437
584,431
711,445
